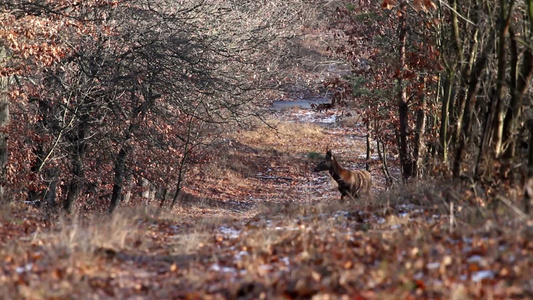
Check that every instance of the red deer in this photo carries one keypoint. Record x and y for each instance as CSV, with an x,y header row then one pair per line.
x,y
351,183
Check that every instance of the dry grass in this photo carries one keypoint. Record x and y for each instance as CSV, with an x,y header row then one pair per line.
x,y
50,263
84,237
293,242
5,216
287,137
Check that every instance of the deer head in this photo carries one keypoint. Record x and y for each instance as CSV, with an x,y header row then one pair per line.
x,y
325,164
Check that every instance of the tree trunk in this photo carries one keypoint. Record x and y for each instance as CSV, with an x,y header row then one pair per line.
x,y
127,187
470,101
50,197
486,137
78,156
528,193
457,114
4,122
500,83
146,188
530,150
181,174
403,107
75,185
445,113
382,154
120,166
38,151
419,150
368,150
162,195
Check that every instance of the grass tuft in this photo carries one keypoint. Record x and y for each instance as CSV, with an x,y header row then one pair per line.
x,y
86,237
286,136
315,155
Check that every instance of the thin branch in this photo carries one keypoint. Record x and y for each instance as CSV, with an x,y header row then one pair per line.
x,y
456,12
513,207
56,142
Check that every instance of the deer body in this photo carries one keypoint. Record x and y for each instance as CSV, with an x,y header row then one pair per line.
x,y
352,183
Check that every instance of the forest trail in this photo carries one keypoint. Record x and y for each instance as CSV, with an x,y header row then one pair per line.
x,y
273,162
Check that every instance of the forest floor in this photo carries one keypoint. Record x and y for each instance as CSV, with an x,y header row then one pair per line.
x,y
256,223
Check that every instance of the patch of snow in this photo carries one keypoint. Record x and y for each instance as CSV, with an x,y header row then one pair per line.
x,y
381,220
341,213
467,249
433,265
437,282
451,241
372,157
407,206
286,260
240,255
403,214
467,240
397,226
328,120
265,267
286,228
474,258
313,117
229,232
480,275
218,268
418,275
26,268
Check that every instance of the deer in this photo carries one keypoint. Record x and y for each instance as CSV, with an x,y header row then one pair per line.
x,y
322,106
351,183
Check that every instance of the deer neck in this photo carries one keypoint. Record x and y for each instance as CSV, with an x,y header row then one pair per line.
x,y
335,170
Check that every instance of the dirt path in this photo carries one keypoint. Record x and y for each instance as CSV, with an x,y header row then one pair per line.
x,y
264,165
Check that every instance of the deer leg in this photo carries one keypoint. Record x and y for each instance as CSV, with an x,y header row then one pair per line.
x,y
352,195
342,197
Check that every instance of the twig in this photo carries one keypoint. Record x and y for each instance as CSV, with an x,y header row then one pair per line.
x,y
452,217
56,142
456,12
513,207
